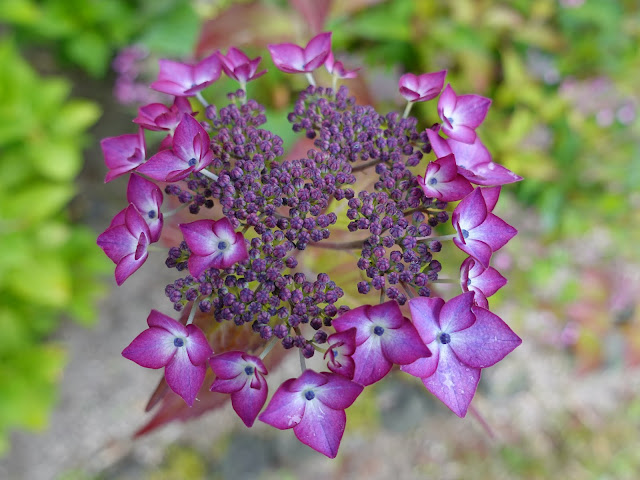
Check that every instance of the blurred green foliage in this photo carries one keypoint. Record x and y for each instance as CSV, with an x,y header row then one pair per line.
x,y
48,265
87,34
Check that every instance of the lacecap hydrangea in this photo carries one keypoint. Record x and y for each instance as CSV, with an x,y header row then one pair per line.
x,y
256,215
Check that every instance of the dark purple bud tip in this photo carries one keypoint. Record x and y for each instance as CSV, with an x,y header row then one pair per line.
x,y
465,233
248,370
151,214
378,330
178,342
192,162
445,338
309,395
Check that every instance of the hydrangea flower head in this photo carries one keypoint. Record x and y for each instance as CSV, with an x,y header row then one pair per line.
x,y
313,405
183,351
292,58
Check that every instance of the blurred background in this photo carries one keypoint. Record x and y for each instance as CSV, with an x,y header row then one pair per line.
x,y
563,78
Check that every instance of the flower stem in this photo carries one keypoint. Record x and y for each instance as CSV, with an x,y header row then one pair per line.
x,y
201,99
175,210
337,245
207,173
444,280
303,364
483,423
310,78
334,83
442,238
359,168
192,312
268,348
407,109
407,289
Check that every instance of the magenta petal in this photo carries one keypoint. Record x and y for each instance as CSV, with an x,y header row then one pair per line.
x,y
198,265
287,57
183,138
183,377
338,393
425,313
286,408
440,145
494,231
446,102
229,385
153,348
317,51
471,110
471,211
345,339
403,345
128,265
248,402
489,282
371,364
387,314
462,133
486,342
355,318
200,237
491,196
227,365
453,383
343,365
425,366
477,249
321,428
161,166
160,320
197,345
117,242
456,314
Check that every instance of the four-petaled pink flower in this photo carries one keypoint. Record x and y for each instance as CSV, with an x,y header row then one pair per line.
x,y
157,116
313,405
241,375
341,347
383,337
183,351
480,232
473,160
238,66
213,244
337,68
484,282
421,88
463,339
291,58
190,153
461,115
442,180
123,154
185,80
125,242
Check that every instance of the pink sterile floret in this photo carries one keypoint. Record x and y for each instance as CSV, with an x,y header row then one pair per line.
x,y
421,88
461,115
184,80
213,244
442,180
125,242
484,282
157,116
147,198
480,232
123,154
238,66
463,339
313,405
383,337
183,351
473,160
337,68
190,153
292,58
241,375
341,347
